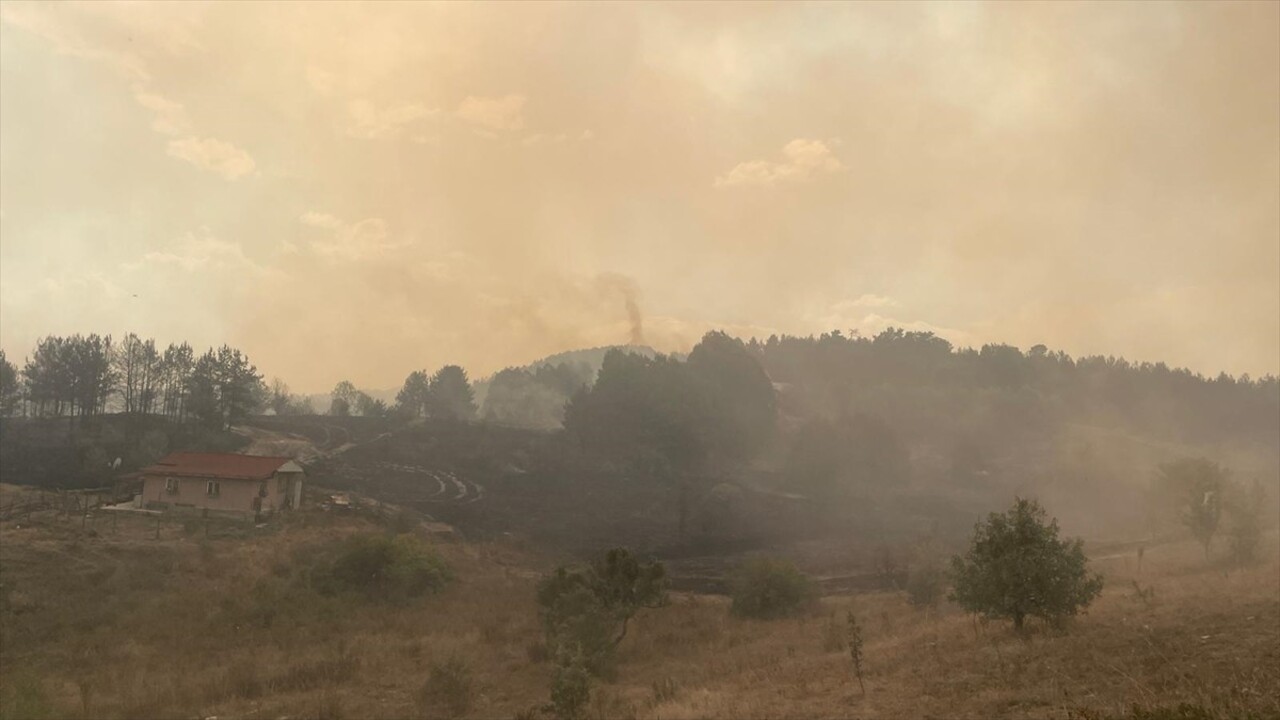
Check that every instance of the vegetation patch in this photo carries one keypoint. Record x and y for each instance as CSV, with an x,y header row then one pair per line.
x,y
768,588
449,690
1017,567
381,568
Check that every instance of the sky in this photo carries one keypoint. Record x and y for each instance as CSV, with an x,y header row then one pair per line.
x,y
351,191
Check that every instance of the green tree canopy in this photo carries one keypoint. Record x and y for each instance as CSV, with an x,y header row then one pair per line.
x,y
739,398
413,396
1198,487
1017,567
583,608
450,395
10,388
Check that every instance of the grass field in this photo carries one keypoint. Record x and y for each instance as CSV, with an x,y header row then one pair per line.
x,y
109,621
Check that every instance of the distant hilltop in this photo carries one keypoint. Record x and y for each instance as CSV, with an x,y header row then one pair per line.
x,y
591,357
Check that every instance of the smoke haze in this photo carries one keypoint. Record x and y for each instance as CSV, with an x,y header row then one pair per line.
x,y
401,186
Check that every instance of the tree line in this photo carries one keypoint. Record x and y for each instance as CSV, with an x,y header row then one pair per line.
x,y
443,395
79,376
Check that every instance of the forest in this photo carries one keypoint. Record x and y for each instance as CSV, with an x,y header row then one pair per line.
x,y
839,417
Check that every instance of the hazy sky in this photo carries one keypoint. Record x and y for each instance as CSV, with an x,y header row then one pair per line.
x,y
357,191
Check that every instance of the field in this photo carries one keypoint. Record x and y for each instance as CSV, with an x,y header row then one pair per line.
x,y
109,620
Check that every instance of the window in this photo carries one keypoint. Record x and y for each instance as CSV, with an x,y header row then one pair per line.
x,y
171,486
212,488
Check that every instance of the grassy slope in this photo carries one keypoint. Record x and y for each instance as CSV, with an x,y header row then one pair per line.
x,y
122,625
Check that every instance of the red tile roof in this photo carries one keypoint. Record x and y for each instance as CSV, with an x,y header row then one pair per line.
x,y
216,465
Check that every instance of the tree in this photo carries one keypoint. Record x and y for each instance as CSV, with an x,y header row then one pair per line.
x,y
450,396
96,378
223,387
344,395
176,366
202,390
647,412
740,405
1200,484
280,399
414,394
70,375
534,398
240,389
10,387
855,648
1017,567
368,406
582,608
136,364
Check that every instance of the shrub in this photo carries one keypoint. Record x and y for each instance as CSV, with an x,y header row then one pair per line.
x,y
1017,567
448,688
770,588
382,567
588,609
570,688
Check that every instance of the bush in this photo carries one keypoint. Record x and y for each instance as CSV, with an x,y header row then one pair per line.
x,y
1017,567
770,588
447,689
381,567
587,610
570,689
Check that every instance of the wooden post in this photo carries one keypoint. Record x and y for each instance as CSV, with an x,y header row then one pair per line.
x,y
157,527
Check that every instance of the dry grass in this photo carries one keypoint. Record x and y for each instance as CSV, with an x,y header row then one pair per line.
x,y
118,624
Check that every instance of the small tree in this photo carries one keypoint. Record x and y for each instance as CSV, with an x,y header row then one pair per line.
x,y
1017,567
855,648
10,387
588,609
1199,484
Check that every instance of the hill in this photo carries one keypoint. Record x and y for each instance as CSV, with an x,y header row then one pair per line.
x,y
132,601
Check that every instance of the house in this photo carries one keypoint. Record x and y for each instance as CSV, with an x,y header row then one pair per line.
x,y
222,482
